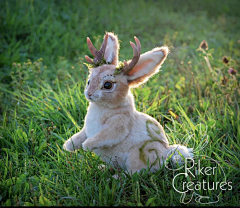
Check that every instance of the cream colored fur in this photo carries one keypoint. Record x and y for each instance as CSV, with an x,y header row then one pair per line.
x,y
113,128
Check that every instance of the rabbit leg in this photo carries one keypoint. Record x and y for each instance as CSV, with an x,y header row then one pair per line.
x,y
75,142
148,154
114,131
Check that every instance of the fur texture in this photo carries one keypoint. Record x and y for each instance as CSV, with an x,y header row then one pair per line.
x,y
113,128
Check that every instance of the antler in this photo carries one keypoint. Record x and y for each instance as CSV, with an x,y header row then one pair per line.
x,y
97,54
136,55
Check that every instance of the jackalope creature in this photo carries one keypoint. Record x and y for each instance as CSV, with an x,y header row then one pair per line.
x,y
113,128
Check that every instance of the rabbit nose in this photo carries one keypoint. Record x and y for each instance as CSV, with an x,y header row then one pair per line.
x,y
89,94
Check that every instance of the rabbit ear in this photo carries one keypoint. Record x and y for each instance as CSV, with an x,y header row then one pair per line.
x,y
111,52
149,64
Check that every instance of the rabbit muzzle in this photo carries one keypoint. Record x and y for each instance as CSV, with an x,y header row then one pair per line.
x,y
92,97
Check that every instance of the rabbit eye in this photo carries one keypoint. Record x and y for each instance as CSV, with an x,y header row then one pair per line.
x,y
107,85
88,82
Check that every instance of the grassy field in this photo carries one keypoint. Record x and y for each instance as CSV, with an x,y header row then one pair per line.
x,y
195,96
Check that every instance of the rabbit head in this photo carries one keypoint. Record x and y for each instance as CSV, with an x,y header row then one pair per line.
x,y
109,81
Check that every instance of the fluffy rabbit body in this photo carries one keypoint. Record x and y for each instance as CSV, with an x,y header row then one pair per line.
x,y
113,128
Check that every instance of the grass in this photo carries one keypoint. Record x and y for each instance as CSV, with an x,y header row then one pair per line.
x,y
42,80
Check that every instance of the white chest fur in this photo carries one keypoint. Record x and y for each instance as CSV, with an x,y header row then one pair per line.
x,y
92,120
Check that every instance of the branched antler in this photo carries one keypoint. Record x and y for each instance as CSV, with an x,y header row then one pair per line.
x,y
136,55
97,54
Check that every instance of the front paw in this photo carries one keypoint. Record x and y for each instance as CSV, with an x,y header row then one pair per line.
x,y
69,146
87,146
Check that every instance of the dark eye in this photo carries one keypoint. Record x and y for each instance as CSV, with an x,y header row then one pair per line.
x,y
107,85
88,82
